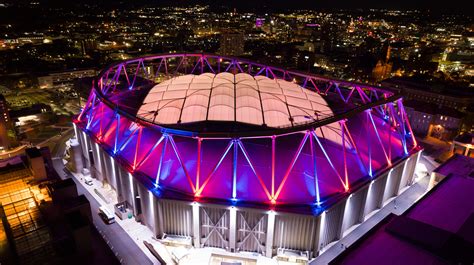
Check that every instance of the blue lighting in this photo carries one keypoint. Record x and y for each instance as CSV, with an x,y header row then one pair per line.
x,y
234,201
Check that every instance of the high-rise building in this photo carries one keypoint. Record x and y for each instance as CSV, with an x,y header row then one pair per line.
x,y
5,124
232,43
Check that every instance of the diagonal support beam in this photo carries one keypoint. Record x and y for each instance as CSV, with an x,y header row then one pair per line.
x,y
175,148
117,116
147,155
359,157
329,160
293,162
315,172
137,147
378,137
343,145
160,164
209,65
398,127
405,116
229,146
260,180
129,138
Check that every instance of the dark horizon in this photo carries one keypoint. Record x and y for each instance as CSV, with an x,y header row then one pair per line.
x,y
434,7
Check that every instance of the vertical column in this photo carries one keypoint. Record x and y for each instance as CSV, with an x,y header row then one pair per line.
x,y
85,150
370,197
405,175
322,227
388,189
113,173
95,170
418,156
234,171
161,227
270,232
76,155
346,217
100,163
196,225
342,212
75,129
155,214
232,228
132,192
152,212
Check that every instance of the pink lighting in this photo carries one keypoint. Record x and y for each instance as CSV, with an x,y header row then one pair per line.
x,y
289,155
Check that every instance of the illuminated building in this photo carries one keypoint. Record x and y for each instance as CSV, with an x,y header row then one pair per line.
x,y
464,145
383,69
5,124
62,79
234,154
458,98
232,43
428,119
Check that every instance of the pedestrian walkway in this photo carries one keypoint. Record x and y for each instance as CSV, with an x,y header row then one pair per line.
x,y
397,206
134,229
114,235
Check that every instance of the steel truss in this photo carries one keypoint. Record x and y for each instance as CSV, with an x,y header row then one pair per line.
x,y
384,128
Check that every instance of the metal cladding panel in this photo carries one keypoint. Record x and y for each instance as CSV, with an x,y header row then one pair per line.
x,y
251,231
125,191
215,227
96,167
111,170
332,225
393,181
103,163
85,144
80,138
353,214
147,207
375,194
296,232
411,170
177,218
76,158
407,177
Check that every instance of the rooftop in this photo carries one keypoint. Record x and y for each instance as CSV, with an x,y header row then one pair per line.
x,y
436,230
33,152
429,84
465,138
433,108
227,97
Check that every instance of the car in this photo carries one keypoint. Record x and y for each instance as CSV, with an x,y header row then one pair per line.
x,y
107,216
88,181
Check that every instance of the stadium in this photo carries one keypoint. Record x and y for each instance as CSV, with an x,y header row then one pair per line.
x,y
223,152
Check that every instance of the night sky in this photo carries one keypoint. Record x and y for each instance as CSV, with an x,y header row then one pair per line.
x,y
435,6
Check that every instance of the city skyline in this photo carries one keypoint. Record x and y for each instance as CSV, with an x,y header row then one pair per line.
x,y
252,133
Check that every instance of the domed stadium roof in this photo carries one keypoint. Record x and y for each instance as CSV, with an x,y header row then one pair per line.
x,y
255,100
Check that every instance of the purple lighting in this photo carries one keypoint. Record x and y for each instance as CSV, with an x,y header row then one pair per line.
x,y
305,158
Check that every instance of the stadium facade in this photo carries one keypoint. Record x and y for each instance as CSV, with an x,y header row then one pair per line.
x,y
230,153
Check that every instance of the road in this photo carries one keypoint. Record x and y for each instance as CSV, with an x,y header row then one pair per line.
x,y
114,235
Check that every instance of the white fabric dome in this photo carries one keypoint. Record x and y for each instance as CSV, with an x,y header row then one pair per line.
x,y
242,98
